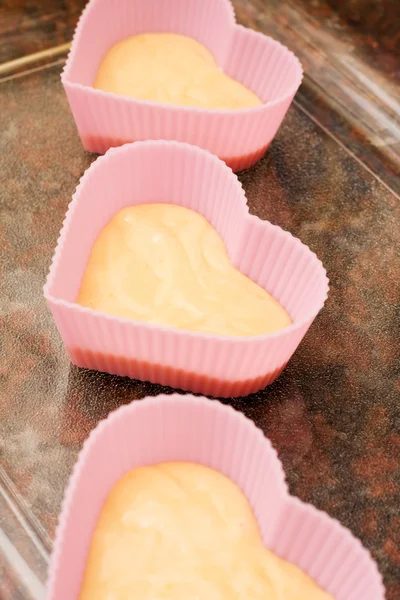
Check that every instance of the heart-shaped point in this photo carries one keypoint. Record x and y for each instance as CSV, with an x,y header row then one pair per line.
x,y
239,137
184,428
172,172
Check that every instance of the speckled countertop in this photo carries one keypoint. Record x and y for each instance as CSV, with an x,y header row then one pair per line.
x,y
333,415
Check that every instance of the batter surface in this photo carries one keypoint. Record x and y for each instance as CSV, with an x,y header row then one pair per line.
x,y
166,67
181,531
165,264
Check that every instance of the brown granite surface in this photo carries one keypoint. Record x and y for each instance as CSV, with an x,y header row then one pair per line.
x,y
333,415
372,25
378,19
28,26
351,87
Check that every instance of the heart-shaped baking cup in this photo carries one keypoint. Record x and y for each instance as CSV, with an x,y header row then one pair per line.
x,y
185,428
177,173
239,137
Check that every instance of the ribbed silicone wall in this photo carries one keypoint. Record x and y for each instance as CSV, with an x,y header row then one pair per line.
x,y
184,428
238,137
182,174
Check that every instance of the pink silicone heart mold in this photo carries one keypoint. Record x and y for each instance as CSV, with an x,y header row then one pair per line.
x,y
240,137
177,173
184,428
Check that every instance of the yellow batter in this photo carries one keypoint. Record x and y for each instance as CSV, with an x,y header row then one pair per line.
x,y
181,531
166,67
165,264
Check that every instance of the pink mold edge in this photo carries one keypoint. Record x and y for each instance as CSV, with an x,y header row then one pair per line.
x,y
240,138
159,171
186,428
